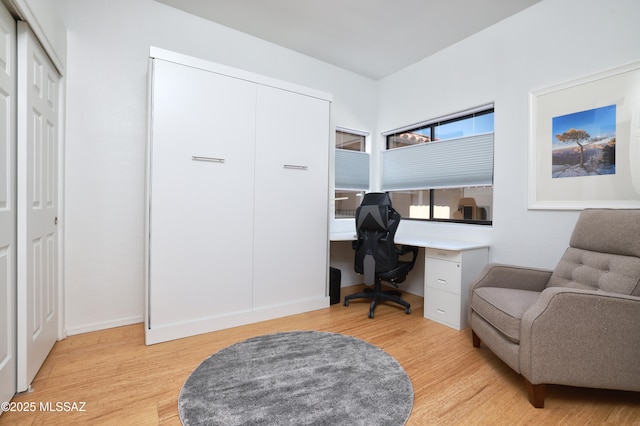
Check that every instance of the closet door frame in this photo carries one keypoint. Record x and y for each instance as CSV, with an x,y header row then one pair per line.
x,y
8,352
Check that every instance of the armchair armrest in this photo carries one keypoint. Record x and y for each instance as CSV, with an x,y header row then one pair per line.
x,y
582,338
510,276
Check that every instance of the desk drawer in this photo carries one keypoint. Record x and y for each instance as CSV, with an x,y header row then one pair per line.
x,y
442,307
451,255
443,275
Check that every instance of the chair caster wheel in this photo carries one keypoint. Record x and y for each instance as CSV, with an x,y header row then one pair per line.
x,y
370,314
407,311
346,303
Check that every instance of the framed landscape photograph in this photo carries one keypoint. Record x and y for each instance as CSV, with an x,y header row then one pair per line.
x,y
584,144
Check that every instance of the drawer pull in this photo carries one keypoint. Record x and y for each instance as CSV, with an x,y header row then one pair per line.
x,y
209,159
441,281
441,312
295,167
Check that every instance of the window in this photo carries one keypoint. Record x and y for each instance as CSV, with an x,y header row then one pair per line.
x,y
352,172
349,141
442,170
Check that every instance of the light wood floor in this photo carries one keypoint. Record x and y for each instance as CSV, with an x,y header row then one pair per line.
x,y
123,382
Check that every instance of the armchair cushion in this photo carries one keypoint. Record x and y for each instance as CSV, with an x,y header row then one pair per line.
x,y
590,270
503,308
608,231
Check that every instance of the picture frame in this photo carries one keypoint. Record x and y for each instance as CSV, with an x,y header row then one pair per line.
x,y
584,142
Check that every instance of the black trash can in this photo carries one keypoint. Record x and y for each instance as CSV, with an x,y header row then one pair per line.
x,y
334,285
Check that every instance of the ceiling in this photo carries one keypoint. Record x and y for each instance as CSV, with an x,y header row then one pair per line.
x,y
373,38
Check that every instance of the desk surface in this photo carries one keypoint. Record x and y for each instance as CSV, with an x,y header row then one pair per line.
x,y
419,241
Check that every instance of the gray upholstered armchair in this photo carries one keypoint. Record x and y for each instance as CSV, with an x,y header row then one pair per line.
x,y
578,325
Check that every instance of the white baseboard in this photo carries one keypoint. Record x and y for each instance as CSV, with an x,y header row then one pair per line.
x,y
97,326
205,325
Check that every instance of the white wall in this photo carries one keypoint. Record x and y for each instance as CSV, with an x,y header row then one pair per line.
x,y
108,43
108,47
552,42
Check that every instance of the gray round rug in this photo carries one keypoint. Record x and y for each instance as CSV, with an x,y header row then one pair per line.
x,y
298,378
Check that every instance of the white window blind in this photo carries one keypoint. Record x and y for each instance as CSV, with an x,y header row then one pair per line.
x,y
352,169
451,163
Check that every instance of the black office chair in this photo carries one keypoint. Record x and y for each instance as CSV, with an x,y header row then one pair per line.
x,y
377,256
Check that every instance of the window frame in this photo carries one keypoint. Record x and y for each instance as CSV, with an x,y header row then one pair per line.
x,y
430,137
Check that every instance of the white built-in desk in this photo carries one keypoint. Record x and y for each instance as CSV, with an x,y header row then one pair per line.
x,y
449,267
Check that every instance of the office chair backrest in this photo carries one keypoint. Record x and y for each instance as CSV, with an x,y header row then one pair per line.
x,y
376,225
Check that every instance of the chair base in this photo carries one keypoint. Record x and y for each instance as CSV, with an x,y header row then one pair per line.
x,y
377,295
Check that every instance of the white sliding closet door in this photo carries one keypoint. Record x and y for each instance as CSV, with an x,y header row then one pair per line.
x,y
7,206
291,219
37,206
201,199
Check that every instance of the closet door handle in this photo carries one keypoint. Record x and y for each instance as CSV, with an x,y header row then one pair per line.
x,y
209,159
295,167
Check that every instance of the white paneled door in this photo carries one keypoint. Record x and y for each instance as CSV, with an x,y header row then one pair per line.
x,y
7,206
37,172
